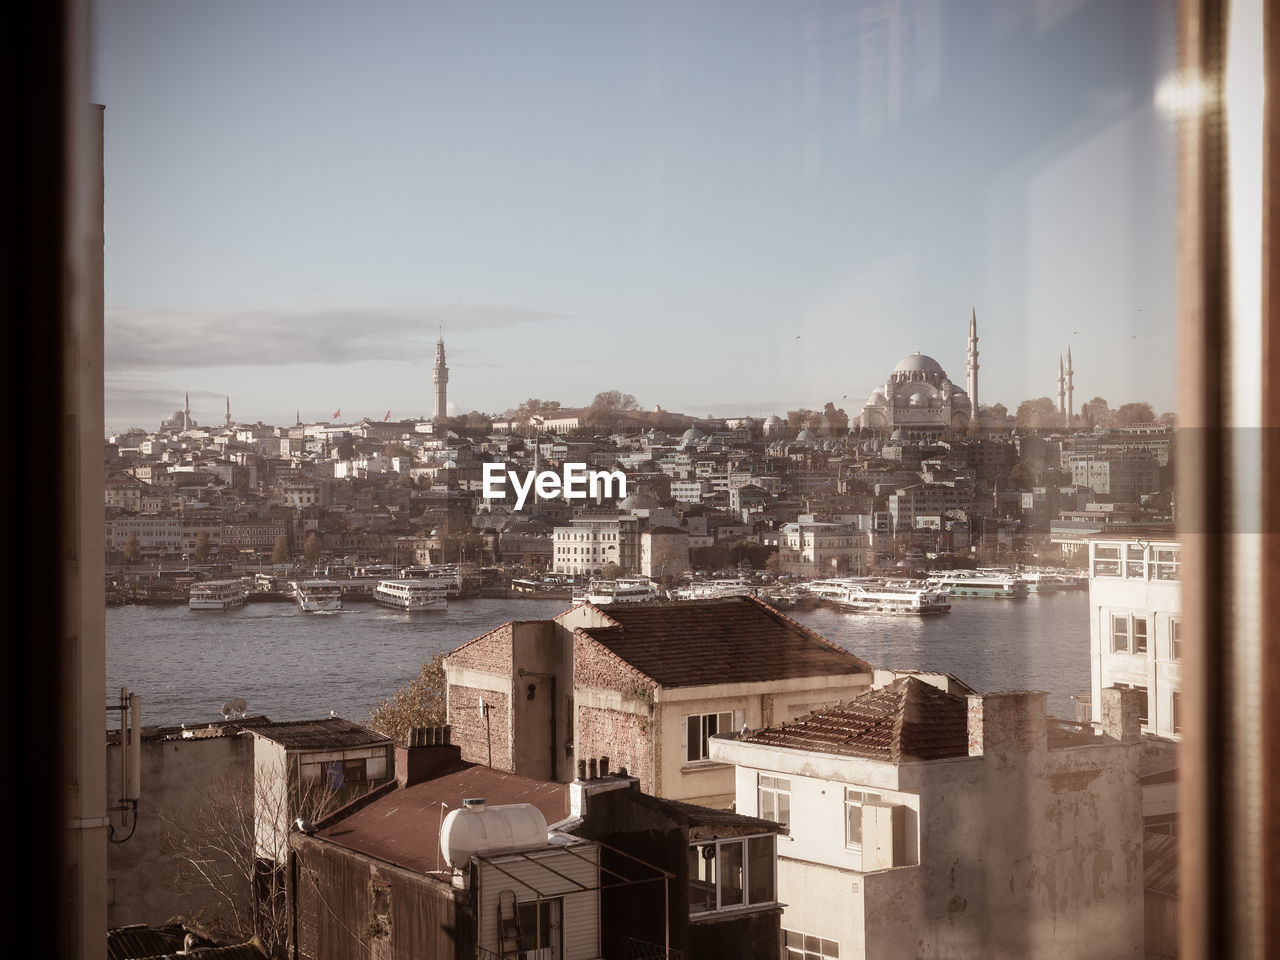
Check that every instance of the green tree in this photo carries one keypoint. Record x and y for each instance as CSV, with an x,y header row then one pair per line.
x,y
1024,475
132,549
396,449
346,448
419,703
202,547
1096,412
311,549
611,571
280,552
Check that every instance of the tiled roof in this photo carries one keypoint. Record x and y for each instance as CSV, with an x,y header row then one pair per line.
x,y
907,720
403,825
725,640
330,733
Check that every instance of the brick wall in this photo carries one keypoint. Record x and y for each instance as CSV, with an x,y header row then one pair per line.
x,y
469,730
490,652
625,738
594,666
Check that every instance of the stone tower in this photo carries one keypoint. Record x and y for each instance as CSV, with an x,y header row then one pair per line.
x,y
971,366
440,376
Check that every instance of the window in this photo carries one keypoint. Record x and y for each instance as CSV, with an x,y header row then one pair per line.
x,y
1106,560
540,928
1119,633
853,801
804,946
700,727
1175,638
734,873
1139,634
775,799
1176,709
1134,567
1166,563
1144,712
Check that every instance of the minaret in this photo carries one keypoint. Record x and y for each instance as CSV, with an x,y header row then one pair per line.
x,y
440,376
1070,389
186,413
971,366
1062,390
228,411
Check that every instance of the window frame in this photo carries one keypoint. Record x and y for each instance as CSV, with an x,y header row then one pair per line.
x,y
703,741
850,803
743,844
776,789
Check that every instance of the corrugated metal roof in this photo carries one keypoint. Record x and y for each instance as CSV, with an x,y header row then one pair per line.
x,y
907,720
403,827
1160,863
724,640
330,733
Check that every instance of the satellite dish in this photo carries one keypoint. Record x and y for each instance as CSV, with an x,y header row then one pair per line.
x,y
234,708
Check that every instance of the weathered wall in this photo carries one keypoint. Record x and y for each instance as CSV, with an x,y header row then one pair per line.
x,y
176,775
478,740
622,736
748,936
345,904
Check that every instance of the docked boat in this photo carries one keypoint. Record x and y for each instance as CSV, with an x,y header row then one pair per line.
x,y
1002,587
318,596
916,598
622,590
709,589
217,595
413,595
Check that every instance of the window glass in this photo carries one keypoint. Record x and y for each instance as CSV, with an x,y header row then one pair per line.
x,y
1139,634
1120,633
760,869
730,867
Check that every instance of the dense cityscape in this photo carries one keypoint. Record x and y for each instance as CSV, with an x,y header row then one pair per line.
x,y
673,707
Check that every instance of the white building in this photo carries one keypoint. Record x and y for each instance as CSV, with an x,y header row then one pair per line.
x,y
816,548
926,824
1135,614
582,548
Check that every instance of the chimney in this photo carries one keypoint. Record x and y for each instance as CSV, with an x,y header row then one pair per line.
x,y
1120,721
426,753
594,779
1007,722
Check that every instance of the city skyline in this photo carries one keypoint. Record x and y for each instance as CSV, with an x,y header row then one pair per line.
x,y
300,199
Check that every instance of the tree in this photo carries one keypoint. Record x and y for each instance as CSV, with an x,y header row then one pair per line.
x,y
610,571
346,448
614,401
311,549
1131,413
280,552
218,850
419,703
132,549
837,420
202,547
396,449
797,420
1024,475
1096,413
1038,414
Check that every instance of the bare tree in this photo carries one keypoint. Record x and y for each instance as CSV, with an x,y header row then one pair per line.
x,y
419,703
226,853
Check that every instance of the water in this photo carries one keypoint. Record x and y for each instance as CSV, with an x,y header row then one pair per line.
x,y
185,664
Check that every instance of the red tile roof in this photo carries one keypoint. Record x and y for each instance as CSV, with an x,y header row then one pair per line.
x,y
403,825
724,640
907,720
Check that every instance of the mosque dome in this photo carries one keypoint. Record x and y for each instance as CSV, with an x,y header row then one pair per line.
x,y
918,363
772,419
692,434
806,436
918,398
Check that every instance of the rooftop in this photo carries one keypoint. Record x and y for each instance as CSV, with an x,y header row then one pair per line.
x,y
907,720
330,733
402,825
693,643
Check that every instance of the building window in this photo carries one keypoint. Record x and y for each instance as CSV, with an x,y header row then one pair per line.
x,y
700,727
540,927
853,801
1166,563
1139,634
1119,633
1175,638
1134,566
730,874
1176,710
805,946
775,799
1106,560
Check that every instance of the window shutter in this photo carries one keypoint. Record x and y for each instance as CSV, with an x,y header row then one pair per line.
x,y
692,737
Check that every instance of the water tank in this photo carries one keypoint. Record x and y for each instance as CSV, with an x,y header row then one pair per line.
x,y
477,829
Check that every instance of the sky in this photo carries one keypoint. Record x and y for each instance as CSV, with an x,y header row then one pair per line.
x,y
725,208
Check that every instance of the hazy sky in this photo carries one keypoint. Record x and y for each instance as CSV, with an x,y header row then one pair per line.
x,y
721,207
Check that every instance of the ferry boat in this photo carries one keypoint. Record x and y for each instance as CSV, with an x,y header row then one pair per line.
x,y
622,590
413,595
1001,587
916,598
705,589
318,596
217,595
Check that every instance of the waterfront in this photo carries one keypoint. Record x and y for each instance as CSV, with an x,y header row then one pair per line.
x,y
290,666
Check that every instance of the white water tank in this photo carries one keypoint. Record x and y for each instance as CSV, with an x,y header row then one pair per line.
x,y
477,829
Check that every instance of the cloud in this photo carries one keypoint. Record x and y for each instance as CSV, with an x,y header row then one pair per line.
x,y
148,338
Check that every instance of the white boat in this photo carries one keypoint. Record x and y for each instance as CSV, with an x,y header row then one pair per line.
x,y
622,590
318,596
414,594
217,595
915,598
1005,587
704,589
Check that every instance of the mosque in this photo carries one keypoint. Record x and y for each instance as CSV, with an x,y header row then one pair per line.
x,y
919,398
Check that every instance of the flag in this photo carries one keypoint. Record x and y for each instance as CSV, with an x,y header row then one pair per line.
x,y
388,416
337,413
